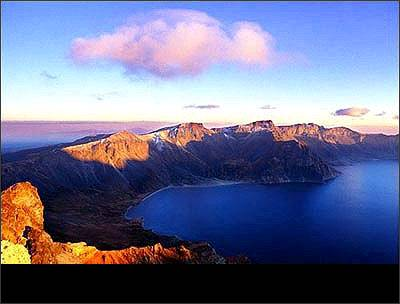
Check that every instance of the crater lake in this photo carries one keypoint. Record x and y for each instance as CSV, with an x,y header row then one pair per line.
x,y
350,219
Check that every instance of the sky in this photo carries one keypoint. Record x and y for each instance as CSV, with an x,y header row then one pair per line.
x,y
331,63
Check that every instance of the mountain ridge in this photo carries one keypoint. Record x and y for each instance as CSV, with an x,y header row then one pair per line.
x,y
89,184
290,132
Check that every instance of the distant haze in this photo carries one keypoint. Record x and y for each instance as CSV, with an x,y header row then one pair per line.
x,y
18,135
388,130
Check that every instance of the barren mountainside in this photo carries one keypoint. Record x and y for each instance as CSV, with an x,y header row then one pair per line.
x,y
341,145
88,184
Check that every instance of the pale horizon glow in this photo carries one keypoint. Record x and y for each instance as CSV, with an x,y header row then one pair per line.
x,y
388,130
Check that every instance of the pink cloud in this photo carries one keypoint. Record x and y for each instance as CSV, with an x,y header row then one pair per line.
x,y
355,112
208,106
169,43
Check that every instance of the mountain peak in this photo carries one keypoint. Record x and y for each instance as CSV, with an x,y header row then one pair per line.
x,y
261,124
121,135
184,132
114,150
192,125
336,135
268,121
184,125
255,126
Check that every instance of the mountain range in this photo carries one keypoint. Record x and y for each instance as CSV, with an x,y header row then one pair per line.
x,y
88,184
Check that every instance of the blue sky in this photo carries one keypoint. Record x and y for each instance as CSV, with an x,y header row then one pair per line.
x,y
345,55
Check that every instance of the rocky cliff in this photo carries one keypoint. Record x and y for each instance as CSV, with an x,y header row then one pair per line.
x,y
24,239
341,145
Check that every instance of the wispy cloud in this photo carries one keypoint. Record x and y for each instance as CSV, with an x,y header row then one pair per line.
x,y
174,42
383,113
354,112
47,75
268,107
103,96
209,106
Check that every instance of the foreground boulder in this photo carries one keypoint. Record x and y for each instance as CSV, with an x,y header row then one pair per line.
x,y
14,253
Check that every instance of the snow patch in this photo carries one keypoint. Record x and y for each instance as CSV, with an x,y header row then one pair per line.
x,y
173,132
158,142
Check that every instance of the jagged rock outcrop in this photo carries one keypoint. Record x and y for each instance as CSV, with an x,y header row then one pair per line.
x,y
20,208
24,239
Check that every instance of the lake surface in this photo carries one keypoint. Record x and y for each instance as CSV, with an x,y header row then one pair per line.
x,y
351,219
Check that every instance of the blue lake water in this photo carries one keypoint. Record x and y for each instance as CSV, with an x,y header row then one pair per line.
x,y
351,219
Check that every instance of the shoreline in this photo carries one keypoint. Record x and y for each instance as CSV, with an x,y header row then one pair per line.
x,y
215,183
219,182
212,183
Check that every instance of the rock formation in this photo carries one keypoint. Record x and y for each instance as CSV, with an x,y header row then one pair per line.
x,y
339,146
24,240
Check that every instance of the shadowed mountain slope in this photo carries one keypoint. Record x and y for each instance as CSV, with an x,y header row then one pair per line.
x,y
87,185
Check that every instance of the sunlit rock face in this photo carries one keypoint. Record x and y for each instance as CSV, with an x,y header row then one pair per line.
x,y
14,253
25,241
341,145
114,150
185,133
20,208
340,135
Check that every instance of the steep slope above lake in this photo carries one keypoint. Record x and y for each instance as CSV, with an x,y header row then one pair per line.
x,y
88,184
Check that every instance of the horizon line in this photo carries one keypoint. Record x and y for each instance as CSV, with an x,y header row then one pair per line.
x,y
219,123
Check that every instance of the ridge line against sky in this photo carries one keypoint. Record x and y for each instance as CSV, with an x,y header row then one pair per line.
x,y
12,128
207,62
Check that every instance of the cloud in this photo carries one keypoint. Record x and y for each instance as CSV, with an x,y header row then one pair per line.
x,y
174,42
210,106
383,113
268,107
47,75
355,112
103,96
396,117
